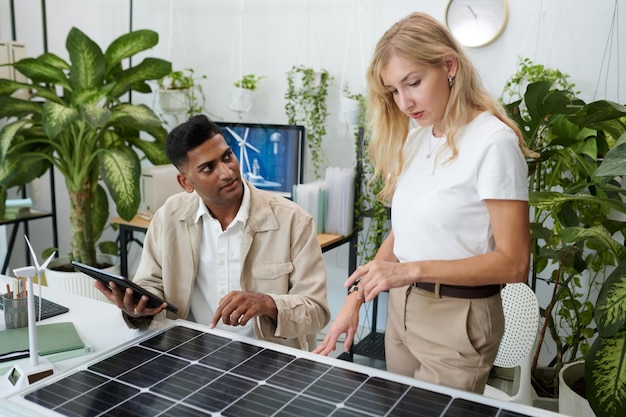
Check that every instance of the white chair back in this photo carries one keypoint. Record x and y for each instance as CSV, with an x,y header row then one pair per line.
x,y
521,315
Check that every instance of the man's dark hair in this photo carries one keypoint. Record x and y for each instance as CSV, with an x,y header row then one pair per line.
x,y
187,136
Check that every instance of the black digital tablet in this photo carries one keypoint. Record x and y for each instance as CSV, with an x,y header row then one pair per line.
x,y
106,277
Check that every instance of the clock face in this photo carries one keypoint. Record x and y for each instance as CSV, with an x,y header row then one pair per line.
x,y
476,22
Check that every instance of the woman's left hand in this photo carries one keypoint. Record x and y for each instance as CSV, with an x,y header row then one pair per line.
x,y
378,276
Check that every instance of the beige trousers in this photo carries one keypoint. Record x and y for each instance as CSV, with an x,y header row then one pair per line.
x,y
447,341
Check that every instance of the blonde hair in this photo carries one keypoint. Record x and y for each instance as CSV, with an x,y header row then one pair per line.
x,y
421,38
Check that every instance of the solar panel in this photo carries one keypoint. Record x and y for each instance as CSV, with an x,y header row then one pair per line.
x,y
188,370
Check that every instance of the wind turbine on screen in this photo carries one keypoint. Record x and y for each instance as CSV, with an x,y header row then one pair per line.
x,y
243,153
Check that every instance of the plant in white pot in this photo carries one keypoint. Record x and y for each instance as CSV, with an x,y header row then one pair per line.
x,y
352,106
242,94
180,93
79,119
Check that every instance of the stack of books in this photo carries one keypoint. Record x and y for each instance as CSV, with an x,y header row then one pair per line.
x,y
57,341
18,206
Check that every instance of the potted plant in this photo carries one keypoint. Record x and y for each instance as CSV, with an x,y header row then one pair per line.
x,y
352,106
606,360
78,120
241,96
306,95
180,93
575,241
595,385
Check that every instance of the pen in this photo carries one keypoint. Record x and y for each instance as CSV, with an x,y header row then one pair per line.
x,y
9,295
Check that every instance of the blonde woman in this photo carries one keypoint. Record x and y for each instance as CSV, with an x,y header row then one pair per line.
x,y
455,173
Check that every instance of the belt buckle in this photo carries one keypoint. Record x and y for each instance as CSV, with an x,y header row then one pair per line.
x,y
436,293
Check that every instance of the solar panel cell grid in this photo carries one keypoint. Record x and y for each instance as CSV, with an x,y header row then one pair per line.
x,y
184,371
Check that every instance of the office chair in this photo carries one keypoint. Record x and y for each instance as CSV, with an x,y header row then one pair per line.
x,y
521,315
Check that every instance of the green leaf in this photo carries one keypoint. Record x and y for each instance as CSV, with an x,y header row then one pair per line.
x,y
597,233
56,118
592,114
42,72
138,117
100,214
7,135
54,61
148,69
614,163
88,64
8,87
154,151
128,45
15,107
605,375
610,314
549,200
120,169
109,248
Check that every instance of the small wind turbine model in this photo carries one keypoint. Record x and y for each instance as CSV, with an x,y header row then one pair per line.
x,y
21,375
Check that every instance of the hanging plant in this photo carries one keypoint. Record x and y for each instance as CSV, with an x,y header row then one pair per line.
x,y
242,95
248,82
352,106
181,93
372,215
307,90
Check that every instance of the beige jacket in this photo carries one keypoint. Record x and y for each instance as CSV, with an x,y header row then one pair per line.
x,y
281,257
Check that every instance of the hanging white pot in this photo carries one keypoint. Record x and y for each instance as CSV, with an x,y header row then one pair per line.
x,y
241,99
350,110
78,282
173,101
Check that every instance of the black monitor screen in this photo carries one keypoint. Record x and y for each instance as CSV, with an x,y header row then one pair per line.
x,y
270,156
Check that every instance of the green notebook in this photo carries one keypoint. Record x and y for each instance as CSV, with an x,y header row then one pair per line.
x,y
52,338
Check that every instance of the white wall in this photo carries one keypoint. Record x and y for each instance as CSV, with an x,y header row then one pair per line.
x,y
337,35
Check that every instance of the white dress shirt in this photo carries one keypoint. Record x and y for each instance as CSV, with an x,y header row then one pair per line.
x,y
219,269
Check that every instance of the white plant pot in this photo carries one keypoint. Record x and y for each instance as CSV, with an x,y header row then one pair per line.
x,y
241,99
570,403
350,110
78,282
173,101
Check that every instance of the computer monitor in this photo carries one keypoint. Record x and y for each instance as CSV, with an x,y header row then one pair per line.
x,y
270,156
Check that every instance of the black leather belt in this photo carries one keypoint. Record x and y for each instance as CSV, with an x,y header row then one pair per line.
x,y
458,291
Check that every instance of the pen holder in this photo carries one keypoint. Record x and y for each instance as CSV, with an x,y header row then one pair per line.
x,y
15,312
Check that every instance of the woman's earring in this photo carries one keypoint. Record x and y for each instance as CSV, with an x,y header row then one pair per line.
x,y
450,81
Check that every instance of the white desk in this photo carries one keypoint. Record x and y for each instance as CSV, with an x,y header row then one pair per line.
x,y
99,324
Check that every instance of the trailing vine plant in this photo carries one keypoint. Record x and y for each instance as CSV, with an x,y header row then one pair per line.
x,y
367,207
306,95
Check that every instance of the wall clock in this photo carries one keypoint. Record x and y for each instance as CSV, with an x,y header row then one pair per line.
x,y
476,23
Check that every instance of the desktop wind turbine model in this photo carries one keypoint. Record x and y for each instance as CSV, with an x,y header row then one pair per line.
x,y
22,374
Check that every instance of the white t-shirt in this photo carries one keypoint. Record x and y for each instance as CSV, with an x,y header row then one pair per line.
x,y
438,210
219,268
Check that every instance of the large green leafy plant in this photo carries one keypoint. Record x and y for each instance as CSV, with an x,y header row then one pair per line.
x,y
79,120
574,191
